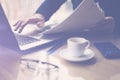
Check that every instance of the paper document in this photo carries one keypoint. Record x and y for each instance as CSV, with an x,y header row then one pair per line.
x,y
87,13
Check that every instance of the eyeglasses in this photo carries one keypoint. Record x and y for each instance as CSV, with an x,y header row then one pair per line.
x,y
31,64
42,70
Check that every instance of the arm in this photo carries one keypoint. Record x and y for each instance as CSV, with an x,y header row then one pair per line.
x,y
49,7
42,14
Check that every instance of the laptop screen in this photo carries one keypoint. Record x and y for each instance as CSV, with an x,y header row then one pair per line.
x,y
7,38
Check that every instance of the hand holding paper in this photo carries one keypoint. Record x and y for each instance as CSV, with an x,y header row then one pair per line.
x,y
88,15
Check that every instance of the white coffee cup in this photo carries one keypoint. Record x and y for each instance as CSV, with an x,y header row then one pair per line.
x,y
76,46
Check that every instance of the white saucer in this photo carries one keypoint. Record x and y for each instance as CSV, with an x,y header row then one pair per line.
x,y
87,55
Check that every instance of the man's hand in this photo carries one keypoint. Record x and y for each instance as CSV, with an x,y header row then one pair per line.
x,y
36,19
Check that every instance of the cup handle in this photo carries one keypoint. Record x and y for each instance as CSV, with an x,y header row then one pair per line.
x,y
88,43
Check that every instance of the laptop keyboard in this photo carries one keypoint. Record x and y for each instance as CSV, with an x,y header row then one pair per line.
x,y
23,40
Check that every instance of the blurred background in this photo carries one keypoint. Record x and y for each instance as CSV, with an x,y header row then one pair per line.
x,y
17,9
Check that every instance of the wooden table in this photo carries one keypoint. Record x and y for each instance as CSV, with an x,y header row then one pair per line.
x,y
98,68
9,63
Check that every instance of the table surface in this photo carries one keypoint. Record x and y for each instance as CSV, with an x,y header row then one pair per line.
x,y
98,68
9,64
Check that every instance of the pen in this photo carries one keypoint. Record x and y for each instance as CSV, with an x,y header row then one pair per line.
x,y
58,44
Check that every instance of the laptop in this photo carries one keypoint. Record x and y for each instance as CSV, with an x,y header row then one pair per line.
x,y
11,40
